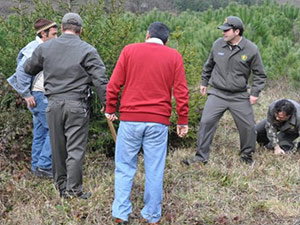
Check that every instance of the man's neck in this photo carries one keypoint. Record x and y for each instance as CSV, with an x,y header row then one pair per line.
x,y
236,41
69,32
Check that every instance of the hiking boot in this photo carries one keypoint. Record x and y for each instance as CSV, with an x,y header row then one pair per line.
x,y
119,221
43,173
247,159
194,160
69,195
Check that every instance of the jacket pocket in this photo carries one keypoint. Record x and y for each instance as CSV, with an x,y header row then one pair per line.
x,y
78,110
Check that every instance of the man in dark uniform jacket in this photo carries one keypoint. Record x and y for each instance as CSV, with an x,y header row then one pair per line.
x,y
70,66
281,127
227,70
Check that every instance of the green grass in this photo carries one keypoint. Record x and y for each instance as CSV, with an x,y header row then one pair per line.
x,y
225,191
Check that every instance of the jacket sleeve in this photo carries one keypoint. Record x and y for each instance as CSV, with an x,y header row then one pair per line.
x,y
20,80
271,130
181,92
95,67
258,75
207,69
34,64
117,80
24,80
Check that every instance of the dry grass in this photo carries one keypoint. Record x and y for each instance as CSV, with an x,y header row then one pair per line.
x,y
224,191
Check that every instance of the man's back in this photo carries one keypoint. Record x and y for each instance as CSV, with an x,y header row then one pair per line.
x,y
70,65
149,72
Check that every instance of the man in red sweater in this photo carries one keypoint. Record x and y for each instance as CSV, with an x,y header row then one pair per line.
x,y
148,73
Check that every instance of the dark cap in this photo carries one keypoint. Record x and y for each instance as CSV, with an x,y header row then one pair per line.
x,y
72,18
232,22
43,24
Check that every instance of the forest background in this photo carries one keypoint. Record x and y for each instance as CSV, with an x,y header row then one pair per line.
x,y
225,191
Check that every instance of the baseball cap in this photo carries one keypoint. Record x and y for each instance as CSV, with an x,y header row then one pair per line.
x,y
72,18
232,22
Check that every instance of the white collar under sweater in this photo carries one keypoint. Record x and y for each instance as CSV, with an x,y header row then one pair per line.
x,y
155,40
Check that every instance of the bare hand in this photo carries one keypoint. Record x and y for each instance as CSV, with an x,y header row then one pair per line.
x,y
278,150
203,90
253,99
111,117
182,130
30,101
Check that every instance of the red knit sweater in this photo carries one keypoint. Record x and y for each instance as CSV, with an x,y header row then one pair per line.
x,y
148,73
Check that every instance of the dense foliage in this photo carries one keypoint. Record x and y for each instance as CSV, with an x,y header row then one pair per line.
x,y
274,28
202,5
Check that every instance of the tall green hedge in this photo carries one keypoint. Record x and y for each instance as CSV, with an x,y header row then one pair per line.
x,y
274,28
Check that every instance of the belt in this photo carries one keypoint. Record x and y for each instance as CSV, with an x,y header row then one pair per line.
x,y
67,97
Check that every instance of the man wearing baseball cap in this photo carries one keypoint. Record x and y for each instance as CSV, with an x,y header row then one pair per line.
x,y
70,67
227,70
32,90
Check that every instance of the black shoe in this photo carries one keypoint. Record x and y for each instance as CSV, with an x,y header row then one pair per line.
x,y
193,160
247,159
68,195
43,173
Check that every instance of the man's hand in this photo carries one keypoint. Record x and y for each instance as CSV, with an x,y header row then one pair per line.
x,y
253,99
278,150
111,117
203,90
30,101
182,130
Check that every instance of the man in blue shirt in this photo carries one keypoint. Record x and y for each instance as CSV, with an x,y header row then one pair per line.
x,y
32,90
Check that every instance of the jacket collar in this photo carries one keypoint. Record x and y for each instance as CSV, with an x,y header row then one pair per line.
x,y
39,40
241,44
71,36
293,118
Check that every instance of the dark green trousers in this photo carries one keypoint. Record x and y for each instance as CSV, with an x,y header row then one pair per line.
x,y
242,113
68,126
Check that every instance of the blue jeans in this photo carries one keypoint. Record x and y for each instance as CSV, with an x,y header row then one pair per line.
x,y
41,149
153,138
